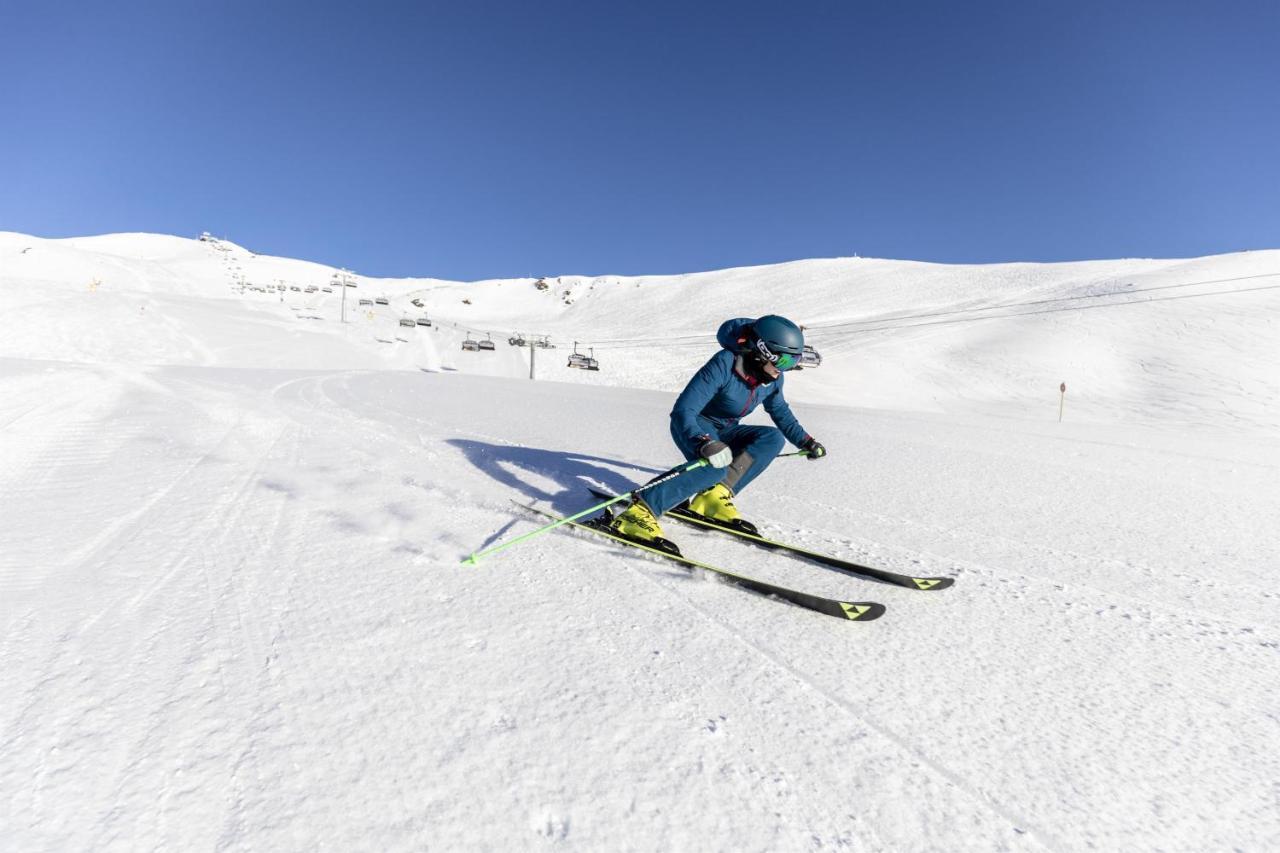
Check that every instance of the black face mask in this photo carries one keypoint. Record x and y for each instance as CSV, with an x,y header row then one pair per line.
x,y
752,366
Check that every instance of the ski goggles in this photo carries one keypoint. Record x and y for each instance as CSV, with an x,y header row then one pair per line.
x,y
781,360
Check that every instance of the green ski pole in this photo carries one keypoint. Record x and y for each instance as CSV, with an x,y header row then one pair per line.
x,y
474,559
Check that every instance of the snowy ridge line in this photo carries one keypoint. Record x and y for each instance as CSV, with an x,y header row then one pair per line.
x,y
890,323
848,326
1068,308
675,343
1207,366
845,324
1017,822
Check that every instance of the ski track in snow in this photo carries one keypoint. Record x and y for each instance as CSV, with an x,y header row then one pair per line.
x,y
234,614
922,791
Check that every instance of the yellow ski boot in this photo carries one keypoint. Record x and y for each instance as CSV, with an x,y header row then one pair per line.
x,y
716,506
638,524
715,503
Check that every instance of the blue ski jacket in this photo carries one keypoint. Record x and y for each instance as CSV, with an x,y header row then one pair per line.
x,y
723,393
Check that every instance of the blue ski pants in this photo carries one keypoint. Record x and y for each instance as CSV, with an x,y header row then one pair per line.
x,y
754,447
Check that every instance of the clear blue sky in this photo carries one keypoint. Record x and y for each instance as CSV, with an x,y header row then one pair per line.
x,y
483,139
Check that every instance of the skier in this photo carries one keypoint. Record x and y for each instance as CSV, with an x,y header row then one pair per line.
x,y
745,373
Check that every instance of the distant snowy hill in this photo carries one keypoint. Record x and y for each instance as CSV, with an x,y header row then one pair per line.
x,y
1172,342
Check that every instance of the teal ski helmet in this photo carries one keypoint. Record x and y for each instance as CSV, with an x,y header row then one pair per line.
x,y
776,340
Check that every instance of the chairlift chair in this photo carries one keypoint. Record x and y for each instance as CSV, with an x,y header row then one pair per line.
x,y
577,359
487,343
469,345
517,340
592,364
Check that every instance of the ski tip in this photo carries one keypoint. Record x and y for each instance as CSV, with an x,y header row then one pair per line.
x,y
470,561
862,611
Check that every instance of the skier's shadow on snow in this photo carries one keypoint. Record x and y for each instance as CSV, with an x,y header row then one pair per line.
x,y
535,473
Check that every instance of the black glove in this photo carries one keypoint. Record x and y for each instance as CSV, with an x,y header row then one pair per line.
x,y
715,452
814,448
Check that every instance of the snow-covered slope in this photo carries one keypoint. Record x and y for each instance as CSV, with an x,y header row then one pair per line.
x,y
232,612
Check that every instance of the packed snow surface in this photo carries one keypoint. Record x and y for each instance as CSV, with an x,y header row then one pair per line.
x,y
234,614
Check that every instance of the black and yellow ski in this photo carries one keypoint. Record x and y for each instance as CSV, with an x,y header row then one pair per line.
x,y
750,535
855,611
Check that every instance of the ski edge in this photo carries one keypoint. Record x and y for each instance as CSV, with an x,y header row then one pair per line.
x,y
928,584
853,611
